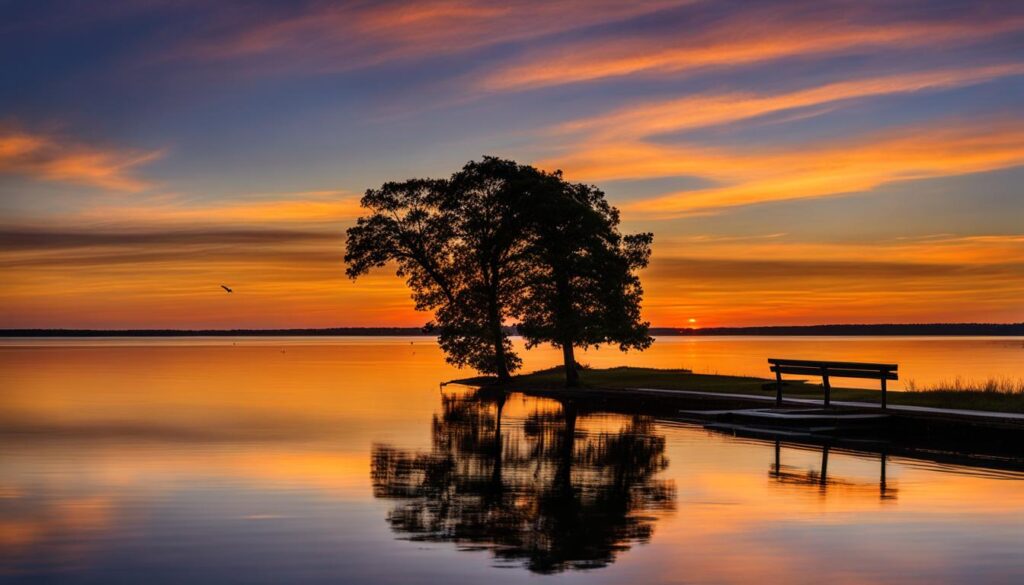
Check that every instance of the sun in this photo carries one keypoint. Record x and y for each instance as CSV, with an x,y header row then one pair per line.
x,y
692,320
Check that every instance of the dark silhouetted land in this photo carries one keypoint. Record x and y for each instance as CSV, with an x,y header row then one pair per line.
x,y
328,332
981,329
965,329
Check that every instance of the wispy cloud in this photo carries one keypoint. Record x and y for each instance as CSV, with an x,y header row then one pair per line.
x,y
941,250
750,176
52,158
317,207
337,37
698,111
20,238
753,36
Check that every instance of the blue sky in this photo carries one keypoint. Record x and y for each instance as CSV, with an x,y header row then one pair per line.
x,y
886,138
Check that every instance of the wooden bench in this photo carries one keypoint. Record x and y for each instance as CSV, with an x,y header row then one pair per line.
x,y
826,370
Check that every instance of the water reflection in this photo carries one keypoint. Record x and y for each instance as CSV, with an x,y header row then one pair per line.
x,y
552,491
243,464
820,479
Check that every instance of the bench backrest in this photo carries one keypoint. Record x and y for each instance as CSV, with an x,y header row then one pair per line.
x,y
835,369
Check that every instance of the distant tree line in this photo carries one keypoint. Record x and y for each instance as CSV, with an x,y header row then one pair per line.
x,y
949,329
324,332
501,243
983,329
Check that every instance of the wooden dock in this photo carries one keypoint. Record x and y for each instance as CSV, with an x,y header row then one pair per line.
x,y
815,420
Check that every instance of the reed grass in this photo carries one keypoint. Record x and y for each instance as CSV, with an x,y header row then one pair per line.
x,y
1003,385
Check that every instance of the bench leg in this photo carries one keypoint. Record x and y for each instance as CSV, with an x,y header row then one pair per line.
x,y
883,389
823,480
778,458
778,388
881,475
828,389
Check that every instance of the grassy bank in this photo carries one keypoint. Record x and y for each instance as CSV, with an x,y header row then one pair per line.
x,y
1000,397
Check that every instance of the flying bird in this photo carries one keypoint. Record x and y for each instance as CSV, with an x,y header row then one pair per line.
x,y
226,288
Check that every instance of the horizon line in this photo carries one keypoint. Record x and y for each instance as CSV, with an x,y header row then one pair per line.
x,y
958,328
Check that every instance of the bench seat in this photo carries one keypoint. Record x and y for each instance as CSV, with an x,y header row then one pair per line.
x,y
829,369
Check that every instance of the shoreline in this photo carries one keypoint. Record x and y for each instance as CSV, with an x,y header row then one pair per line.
x,y
834,330
979,438
636,381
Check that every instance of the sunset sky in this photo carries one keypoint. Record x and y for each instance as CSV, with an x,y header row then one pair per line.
x,y
798,162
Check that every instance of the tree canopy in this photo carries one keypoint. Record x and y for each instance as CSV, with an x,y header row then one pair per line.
x,y
499,242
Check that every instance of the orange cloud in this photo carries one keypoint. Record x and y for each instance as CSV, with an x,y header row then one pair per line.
x,y
636,121
52,159
309,207
755,38
805,171
940,249
340,37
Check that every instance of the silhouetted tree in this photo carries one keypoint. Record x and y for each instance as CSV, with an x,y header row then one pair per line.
x,y
485,201
500,241
460,245
582,287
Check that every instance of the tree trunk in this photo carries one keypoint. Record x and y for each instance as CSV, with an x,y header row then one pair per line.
x,y
563,319
563,473
494,320
572,376
499,356
496,484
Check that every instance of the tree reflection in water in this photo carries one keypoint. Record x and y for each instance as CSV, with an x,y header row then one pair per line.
x,y
543,491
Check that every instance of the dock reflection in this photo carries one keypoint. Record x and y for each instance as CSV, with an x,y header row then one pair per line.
x,y
820,478
552,489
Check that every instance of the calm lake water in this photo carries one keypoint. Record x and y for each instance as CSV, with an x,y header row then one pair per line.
x,y
342,461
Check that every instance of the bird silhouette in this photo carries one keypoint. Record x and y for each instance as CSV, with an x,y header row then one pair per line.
x,y
226,288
